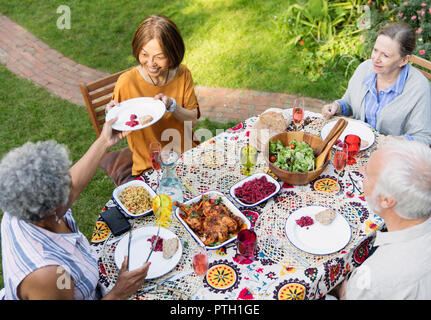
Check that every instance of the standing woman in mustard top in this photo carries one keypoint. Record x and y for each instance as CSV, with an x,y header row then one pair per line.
x,y
159,50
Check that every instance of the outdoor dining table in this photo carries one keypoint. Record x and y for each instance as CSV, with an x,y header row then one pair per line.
x,y
279,270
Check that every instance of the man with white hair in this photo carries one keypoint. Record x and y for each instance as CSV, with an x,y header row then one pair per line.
x,y
397,185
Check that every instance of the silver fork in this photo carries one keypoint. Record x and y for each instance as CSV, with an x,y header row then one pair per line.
x,y
290,251
154,245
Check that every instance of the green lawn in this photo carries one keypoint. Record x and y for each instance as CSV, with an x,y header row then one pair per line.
x,y
229,43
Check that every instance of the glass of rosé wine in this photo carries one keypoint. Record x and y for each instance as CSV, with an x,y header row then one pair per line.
x,y
298,112
200,260
340,158
155,150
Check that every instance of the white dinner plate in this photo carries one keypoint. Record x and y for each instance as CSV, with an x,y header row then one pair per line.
x,y
359,128
317,238
135,183
138,106
140,248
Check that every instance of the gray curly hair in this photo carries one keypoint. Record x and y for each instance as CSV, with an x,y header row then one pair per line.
x,y
34,180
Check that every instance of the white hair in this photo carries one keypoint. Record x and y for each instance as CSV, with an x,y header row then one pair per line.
x,y
34,180
406,177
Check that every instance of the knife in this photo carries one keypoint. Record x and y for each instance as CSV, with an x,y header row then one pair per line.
x,y
168,279
128,248
115,239
154,245
300,260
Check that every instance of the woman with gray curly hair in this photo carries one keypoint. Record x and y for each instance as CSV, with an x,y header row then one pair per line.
x,y
44,255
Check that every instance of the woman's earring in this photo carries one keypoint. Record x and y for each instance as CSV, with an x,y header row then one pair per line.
x,y
57,219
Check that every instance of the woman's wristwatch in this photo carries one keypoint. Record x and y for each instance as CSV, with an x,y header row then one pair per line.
x,y
172,107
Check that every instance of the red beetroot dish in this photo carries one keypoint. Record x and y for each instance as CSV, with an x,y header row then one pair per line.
x,y
159,244
304,221
133,122
254,190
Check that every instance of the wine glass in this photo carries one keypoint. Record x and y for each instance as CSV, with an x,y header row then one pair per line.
x,y
298,112
162,209
200,261
155,150
353,146
246,244
248,158
340,159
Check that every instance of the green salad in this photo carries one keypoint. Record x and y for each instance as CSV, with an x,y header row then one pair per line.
x,y
296,157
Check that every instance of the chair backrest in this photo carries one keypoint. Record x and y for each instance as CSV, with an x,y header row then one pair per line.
x,y
96,95
425,65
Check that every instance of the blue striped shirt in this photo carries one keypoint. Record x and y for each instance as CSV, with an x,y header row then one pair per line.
x,y
27,247
374,101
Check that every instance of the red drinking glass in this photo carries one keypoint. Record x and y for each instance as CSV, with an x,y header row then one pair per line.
x,y
353,143
246,244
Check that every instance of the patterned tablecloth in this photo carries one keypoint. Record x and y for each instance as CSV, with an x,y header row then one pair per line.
x,y
280,270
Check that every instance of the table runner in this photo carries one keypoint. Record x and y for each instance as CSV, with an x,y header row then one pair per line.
x,y
289,274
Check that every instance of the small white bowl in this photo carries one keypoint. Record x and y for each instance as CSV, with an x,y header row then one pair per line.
x,y
135,183
226,202
252,177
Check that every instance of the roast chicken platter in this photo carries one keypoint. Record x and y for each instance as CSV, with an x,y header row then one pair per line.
x,y
210,217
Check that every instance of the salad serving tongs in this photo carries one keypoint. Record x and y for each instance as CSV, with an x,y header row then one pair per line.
x,y
322,151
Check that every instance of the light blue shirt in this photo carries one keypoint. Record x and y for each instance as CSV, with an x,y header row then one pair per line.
x,y
27,247
374,101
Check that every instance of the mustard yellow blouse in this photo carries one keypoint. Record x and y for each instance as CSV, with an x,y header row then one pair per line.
x,y
168,129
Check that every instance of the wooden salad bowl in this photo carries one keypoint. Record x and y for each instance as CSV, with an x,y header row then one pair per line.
x,y
296,178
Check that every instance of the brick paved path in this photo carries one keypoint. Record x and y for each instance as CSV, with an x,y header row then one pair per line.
x,y
28,57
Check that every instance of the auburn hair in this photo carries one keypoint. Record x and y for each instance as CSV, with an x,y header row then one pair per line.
x,y
166,33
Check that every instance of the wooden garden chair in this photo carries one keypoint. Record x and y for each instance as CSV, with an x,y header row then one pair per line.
x,y
96,95
425,65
